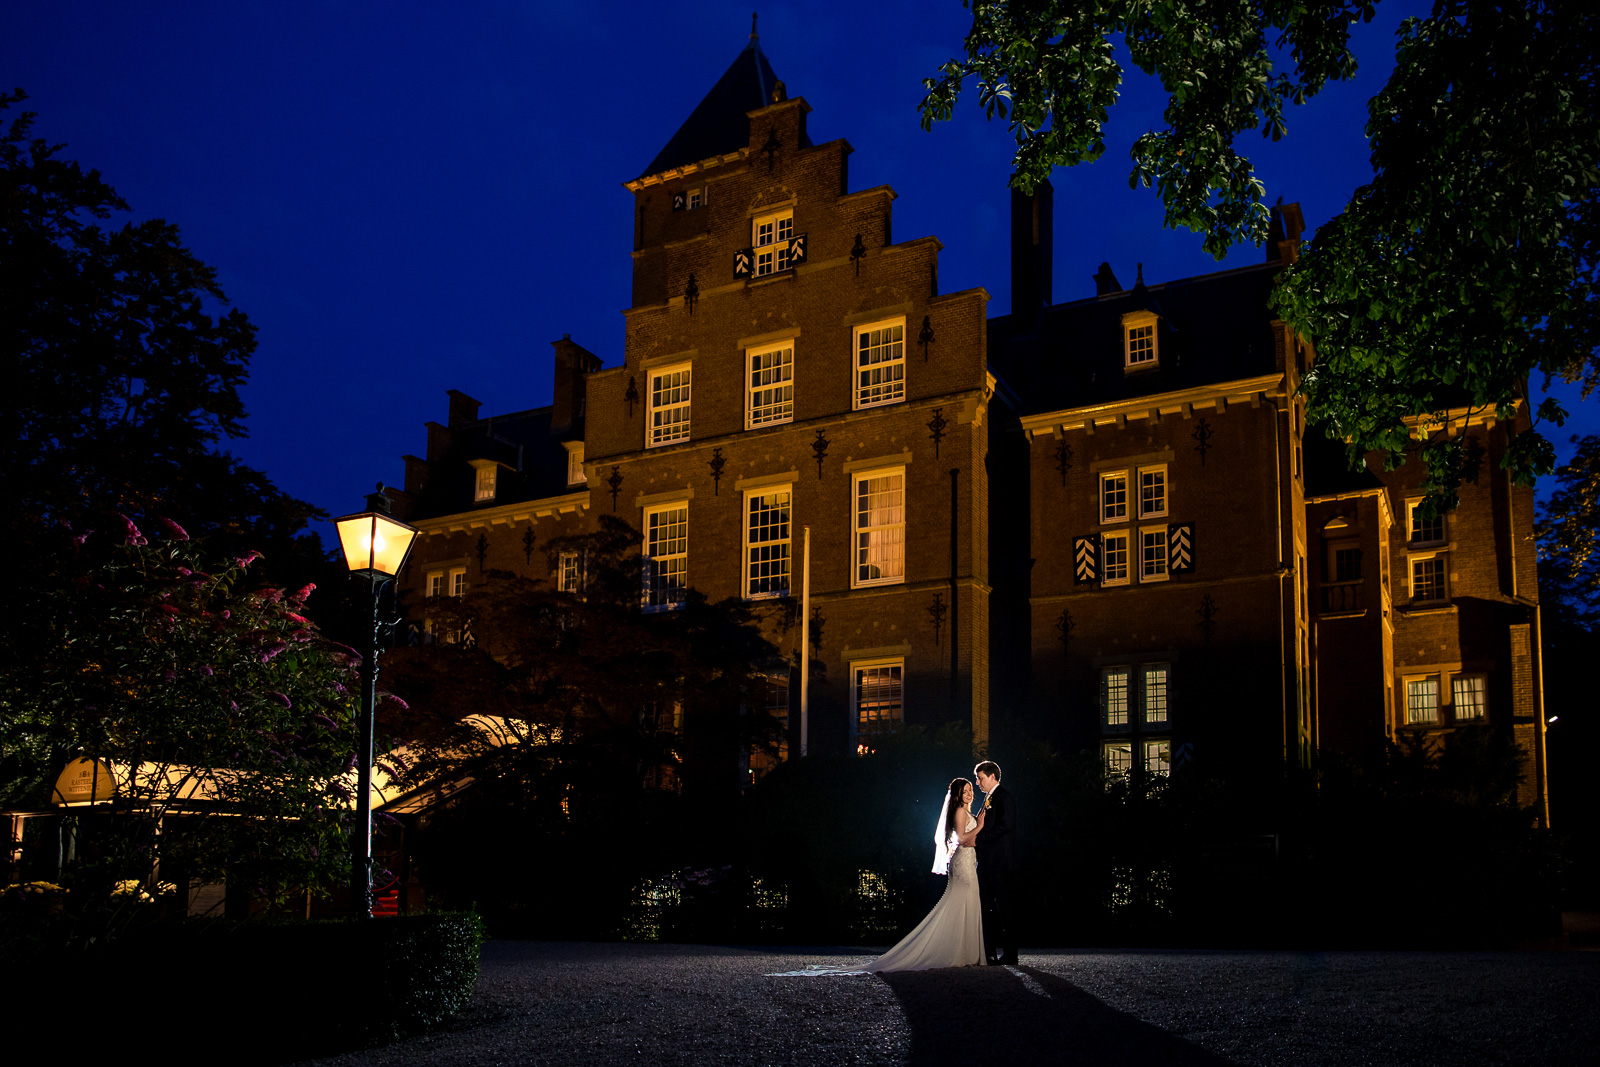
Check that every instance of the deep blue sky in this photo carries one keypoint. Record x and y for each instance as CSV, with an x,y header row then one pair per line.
x,y
406,199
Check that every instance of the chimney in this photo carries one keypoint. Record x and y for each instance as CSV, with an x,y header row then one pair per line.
x,y
1031,254
1105,282
1283,233
462,407
573,361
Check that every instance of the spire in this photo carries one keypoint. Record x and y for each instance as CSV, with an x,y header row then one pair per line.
x,y
719,124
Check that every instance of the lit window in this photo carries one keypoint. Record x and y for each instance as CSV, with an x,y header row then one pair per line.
x,y
436,585
770,395
669,405
1119,758
1469,693
876,693
1139,340
1427,579
771,236
880,363
458,581
1114,497
568,575
1114,558
1152,492
1155,695
484,483
880,527
1423,530
575,474
697,199
666,552
1422,699
1114,696
1153,554
1158,757
767,543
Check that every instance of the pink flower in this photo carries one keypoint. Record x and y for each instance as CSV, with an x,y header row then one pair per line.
x,y
302,635
272,650
247,559
281,698
303,592
207,671
176,532
301,619
226,614
130,532
168,609
81,538
185,571
270,596
390,698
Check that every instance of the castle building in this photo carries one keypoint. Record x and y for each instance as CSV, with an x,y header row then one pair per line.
x,y
1101,522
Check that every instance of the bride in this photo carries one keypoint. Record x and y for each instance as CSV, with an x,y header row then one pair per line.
x,y
952,933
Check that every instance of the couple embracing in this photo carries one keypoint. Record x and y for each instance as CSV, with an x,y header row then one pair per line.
x,y
974,921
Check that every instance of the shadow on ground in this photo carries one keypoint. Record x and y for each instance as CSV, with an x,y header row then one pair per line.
x,y
972,1015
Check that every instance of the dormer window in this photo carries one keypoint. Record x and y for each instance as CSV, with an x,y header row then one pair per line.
x,y
689,199
575,474
1139,340
485,477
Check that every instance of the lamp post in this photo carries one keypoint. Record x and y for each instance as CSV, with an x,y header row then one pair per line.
x,y
375,547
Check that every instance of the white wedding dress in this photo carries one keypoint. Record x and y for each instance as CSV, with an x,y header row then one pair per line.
x,y
950,936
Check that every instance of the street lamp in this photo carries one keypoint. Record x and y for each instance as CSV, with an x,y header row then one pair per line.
x,y
375,547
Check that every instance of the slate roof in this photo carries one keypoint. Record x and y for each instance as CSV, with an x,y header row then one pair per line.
x,y
1213,328
719,125
534,463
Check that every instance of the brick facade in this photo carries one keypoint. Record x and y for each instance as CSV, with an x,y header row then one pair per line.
x,y
1280,621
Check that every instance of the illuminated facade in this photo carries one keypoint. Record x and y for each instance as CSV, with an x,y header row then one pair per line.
x,y
1144,554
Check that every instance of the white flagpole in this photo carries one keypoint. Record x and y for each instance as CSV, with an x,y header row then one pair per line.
x,y
805,644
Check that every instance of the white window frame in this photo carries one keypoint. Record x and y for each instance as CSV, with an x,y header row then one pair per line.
x,y
1147,711
1108,515
1158,756
775,548
1136,485
1413,561
1118,756
457,584
695,199
1116,698
1411,525
569,572
1416,704
434,584
575,475
655,596
878,544
894,667
663,400
769,384
1480,707
1153,568
1110,573
887,384
770,239
485,481
1140,341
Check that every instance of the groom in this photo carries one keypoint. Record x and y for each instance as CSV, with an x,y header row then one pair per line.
x,y
997,862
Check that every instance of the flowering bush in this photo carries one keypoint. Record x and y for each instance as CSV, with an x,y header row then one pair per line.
x,y
224,718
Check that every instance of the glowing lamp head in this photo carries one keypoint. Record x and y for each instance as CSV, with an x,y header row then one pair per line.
x,y
374,542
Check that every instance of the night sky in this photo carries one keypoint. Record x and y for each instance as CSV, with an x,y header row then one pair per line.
x,y
406,199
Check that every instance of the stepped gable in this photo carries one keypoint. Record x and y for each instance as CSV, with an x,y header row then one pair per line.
x,y
1213,328
720,123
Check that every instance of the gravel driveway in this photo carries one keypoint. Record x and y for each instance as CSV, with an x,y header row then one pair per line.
x,y
577,1004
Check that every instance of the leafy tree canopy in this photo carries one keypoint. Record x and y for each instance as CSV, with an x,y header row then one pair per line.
x,y
223,716
1466,265
1569,558
122,369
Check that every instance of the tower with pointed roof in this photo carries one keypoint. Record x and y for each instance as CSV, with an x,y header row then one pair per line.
x,y
789,364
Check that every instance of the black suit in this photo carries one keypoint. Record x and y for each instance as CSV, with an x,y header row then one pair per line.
x,y
997,864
